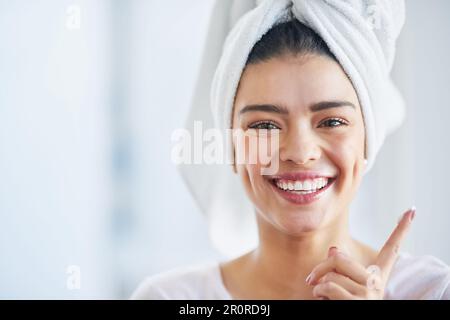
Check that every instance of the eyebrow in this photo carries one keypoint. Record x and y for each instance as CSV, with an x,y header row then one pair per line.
x,y
319,106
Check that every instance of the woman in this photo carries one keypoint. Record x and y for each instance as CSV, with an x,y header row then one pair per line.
x,y
295,89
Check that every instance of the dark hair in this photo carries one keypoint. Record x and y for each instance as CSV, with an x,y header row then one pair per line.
x,y
290,37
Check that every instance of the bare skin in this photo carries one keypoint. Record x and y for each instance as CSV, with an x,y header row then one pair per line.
x,y
270,272
296,239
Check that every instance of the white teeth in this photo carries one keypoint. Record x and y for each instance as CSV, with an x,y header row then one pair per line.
x,y
305,186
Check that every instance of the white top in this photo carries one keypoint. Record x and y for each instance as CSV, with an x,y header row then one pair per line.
x,y
423,277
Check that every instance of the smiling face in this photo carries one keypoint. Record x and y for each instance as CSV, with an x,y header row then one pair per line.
x,y
312,106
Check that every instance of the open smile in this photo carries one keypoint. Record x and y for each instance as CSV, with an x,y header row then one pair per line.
x,y
301,188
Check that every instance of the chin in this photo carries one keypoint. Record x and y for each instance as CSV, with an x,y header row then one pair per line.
x,y
297,223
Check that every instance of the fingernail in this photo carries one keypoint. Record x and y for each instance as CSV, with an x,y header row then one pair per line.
x,y
413,213
332,251
308,278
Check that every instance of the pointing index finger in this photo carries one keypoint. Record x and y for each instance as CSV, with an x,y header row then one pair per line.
x,y
388,254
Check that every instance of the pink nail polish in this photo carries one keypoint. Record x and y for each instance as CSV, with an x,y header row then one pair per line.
x,y
332,251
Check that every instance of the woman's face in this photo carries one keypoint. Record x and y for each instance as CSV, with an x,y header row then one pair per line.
x,y
311,106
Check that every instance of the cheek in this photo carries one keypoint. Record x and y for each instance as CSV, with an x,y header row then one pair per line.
x,y
255,149
254,184
252,154
347,154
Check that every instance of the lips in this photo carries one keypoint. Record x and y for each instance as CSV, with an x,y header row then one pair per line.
x,y
301,187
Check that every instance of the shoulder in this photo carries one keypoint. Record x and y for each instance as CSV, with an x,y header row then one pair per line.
x,y
419,277
199,281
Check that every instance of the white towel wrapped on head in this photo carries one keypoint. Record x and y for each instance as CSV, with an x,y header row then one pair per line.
x,y
360,33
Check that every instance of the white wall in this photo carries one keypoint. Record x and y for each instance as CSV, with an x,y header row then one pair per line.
x,y
166,37
85,121
54,150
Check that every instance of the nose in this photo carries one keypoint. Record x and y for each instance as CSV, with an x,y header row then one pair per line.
x,y
299,145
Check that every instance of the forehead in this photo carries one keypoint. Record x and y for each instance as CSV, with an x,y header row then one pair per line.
x,y
294,81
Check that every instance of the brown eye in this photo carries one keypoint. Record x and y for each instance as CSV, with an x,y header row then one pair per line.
x,y
265,125
334,122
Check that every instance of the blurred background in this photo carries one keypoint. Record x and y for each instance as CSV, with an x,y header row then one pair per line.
x,y
90,92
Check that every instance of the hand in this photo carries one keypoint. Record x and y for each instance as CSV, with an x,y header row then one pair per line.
x,y
341,278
